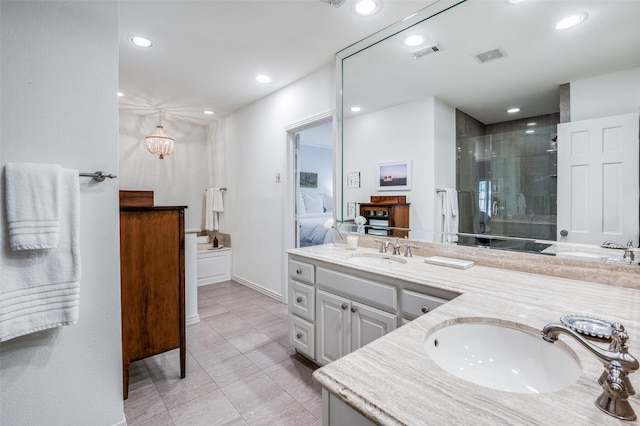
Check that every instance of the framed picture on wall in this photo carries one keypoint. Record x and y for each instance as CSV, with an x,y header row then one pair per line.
x,y
394,176
308,180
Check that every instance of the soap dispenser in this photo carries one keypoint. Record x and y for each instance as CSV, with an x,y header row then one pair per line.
x,y
215,241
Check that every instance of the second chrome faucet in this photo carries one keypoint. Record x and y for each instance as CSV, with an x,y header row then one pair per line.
x,y
618,363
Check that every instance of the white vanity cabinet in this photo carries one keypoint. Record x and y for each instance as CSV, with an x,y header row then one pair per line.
x,y
346,320
302,307
345,325
335,309
213,266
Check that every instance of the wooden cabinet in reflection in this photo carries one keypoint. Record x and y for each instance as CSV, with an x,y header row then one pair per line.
x,y
384,213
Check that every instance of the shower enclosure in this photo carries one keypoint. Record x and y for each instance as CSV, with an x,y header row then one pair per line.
x,y
506,180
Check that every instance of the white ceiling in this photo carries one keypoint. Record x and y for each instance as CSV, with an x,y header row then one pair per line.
x,y
538,58
207,53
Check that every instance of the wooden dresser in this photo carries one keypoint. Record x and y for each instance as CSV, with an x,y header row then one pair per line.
x,y
384,213
152,268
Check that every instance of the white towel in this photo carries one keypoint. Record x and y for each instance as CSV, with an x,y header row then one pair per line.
x,y
213,206
450,213
40,289
33,199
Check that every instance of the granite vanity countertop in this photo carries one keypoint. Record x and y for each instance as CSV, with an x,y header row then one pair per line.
x,y
392,381
207,247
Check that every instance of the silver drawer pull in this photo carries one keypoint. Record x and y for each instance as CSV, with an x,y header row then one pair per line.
x,y
425,309
299,271
354,309
299,336
299,300
345,305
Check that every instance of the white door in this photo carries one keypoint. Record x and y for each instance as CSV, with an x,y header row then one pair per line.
x,y
598,189
368,324
333,327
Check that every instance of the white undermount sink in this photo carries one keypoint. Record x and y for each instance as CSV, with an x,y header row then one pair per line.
x,y
502,358
375,259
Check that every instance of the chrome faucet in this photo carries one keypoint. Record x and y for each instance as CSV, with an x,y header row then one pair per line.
x,y
628,250
396,247
408,248
383,245
618,363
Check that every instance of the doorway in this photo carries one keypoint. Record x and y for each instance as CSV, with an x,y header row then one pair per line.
x,y
313,181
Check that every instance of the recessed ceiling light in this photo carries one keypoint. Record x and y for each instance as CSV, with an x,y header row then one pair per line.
x,y
531,124
263,79
208,112
513,110
141,41
120,94
414,40
355,109
571,21
367,7
516,1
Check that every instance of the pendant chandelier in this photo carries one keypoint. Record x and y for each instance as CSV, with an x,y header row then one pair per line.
x,y
158,143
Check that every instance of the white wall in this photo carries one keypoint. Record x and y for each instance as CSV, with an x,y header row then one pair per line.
x,y
606,95
318,159
177,180
256,207
422,132
59,79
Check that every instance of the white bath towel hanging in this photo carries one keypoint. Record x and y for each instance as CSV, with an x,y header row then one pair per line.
x,y
33,198
40,289
213,207
450,213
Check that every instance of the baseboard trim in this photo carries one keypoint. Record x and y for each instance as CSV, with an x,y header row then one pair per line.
x,y
258,288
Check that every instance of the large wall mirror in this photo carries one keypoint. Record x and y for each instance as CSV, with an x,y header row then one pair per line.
x,y
487,102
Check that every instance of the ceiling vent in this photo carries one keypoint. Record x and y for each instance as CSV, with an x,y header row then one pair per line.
x,y
490,55
336,3
432,48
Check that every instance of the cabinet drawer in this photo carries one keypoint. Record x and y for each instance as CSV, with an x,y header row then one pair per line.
x,y
302,300
302,271
302,336
364,290
415,304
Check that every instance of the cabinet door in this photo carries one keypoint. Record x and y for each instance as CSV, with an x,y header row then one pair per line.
x,y
367,324
333,329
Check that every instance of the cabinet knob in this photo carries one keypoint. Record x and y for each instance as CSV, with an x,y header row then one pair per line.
x,y
299,271
425,309
564,233
345,305
299,299
354,309
299,336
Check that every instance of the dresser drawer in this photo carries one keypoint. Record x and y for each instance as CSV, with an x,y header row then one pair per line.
x,y
302,271
302,300
415,304
302,336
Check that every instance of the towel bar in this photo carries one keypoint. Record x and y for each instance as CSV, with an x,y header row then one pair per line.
x,y
98,176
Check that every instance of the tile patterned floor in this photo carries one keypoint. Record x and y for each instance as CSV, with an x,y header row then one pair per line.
x,y
241,369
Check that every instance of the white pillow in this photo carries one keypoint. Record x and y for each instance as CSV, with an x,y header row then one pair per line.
x,y
313,204
328,202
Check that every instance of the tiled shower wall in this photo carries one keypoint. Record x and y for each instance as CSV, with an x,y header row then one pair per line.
x,y
516,163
